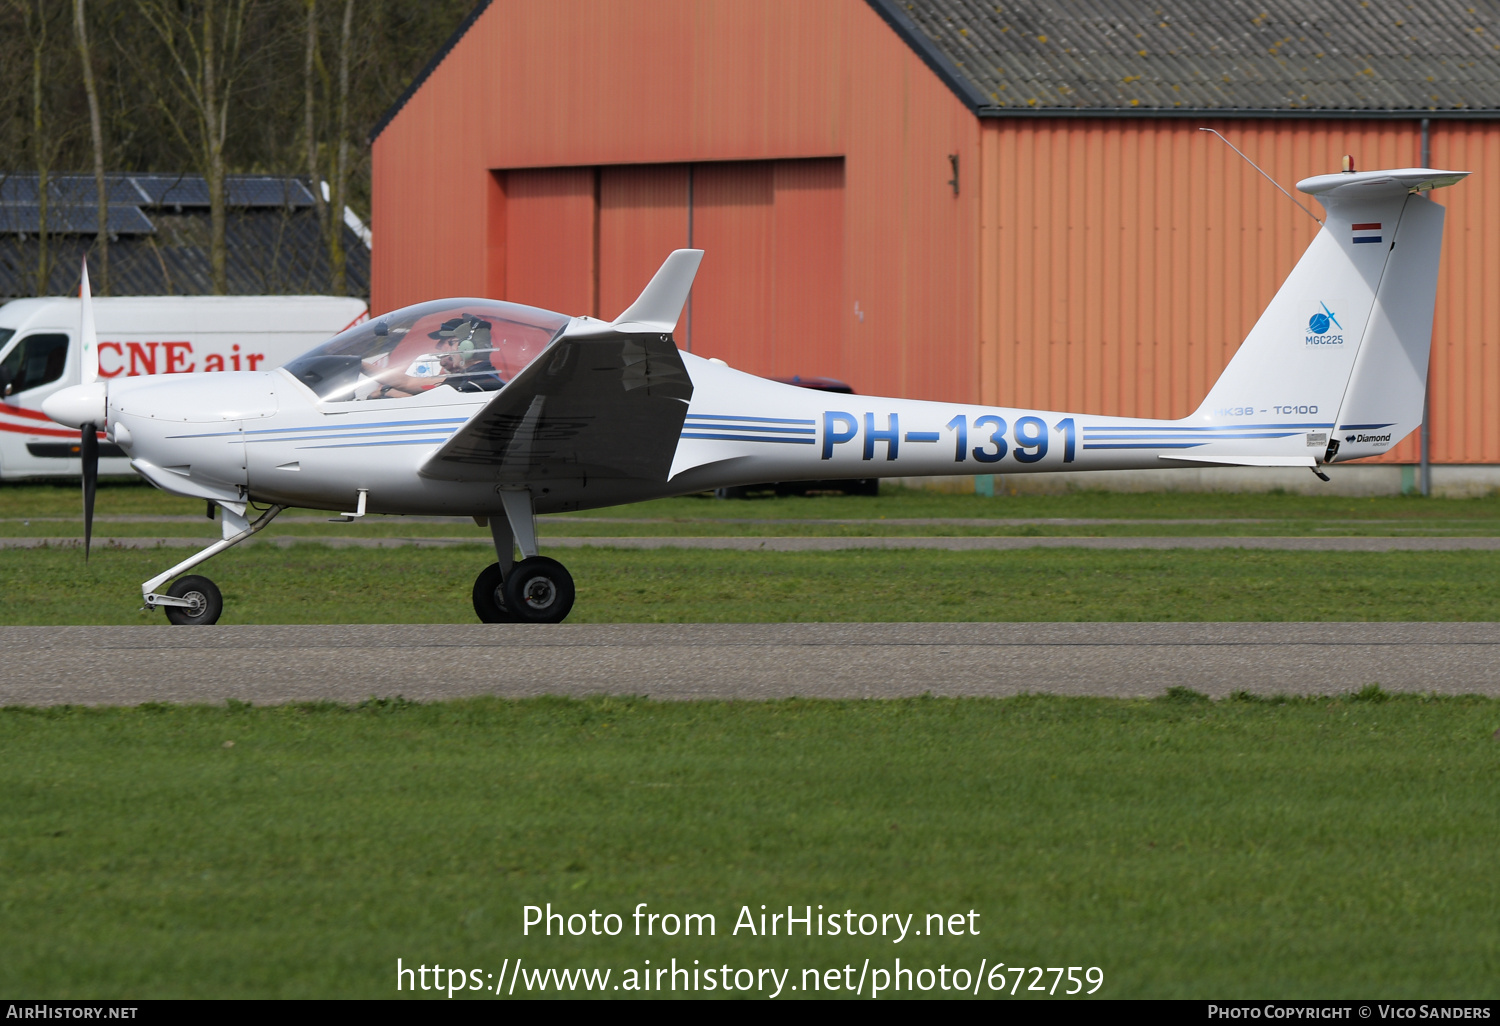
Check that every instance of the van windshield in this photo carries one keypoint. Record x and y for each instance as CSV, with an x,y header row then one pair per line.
x,y
468,345
36,360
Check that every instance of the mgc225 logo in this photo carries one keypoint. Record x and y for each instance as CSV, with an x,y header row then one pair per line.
x,y
1320,328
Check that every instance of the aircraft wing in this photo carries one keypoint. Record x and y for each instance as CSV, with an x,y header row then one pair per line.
x,y
605,405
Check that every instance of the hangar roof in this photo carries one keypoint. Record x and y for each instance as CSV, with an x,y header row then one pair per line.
x,y
159,235
1165,57
1260,57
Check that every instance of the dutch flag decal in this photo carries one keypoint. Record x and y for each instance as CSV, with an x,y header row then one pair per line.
x,y
1367,232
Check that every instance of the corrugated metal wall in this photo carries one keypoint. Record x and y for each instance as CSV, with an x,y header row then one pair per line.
x,y
540,104
547,255
771,300
642,218
1465,375
1123,261
1102,265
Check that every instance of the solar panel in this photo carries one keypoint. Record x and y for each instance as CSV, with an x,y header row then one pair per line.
x,y
79,188
268,192
173,190
72,219
159,190
16,188
239,191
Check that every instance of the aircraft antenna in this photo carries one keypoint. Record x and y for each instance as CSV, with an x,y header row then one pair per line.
x,y
1267,177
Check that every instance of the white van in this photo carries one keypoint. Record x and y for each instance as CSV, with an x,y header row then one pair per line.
x,y
139,335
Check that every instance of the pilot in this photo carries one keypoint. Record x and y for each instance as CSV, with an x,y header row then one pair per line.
x,y
467,346
460,359
426,371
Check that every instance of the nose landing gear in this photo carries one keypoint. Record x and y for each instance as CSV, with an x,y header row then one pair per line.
x,y
195,600
204,601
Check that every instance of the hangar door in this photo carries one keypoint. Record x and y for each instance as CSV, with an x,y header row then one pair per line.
x,y
770,295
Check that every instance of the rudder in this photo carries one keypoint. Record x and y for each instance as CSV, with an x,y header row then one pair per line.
x,y
1388,385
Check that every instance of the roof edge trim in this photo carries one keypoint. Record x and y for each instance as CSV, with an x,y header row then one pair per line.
x,y
890,12
426,72
1324,113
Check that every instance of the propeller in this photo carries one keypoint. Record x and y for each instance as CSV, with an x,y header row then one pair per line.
x,y
88,448
84,406
88,433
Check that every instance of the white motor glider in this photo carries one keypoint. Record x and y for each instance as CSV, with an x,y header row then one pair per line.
x,y
489,409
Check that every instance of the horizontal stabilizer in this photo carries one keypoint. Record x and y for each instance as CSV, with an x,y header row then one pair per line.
x,y
1368,185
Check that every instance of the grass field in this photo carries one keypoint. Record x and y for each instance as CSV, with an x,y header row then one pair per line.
x,y
311,583
1239,848
1312,848
1294,513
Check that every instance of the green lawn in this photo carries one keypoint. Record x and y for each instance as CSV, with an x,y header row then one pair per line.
x,y
311,583
316,527
1479,515
1312,848
1232,849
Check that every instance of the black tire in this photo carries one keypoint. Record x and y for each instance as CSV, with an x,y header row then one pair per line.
x,y
539,590
489,596
208,603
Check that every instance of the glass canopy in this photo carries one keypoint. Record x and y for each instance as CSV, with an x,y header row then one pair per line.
x,y
468,345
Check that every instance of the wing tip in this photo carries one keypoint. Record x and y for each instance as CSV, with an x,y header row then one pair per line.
x,y
660,303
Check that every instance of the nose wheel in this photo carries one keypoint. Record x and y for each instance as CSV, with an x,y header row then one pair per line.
x,y
204,601
194,600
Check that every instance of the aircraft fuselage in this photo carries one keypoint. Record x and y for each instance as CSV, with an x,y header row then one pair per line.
x,y
267,438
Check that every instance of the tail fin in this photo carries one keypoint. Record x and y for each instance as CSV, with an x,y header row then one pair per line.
x,y
1343,345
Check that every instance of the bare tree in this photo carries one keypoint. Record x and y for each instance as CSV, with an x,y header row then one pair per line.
x,y
96,131
309,65
330,208
206,86
340,188
34,17
206,49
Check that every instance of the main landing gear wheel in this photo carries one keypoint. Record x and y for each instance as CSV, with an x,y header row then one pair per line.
x,y
207,602
539,590
489,596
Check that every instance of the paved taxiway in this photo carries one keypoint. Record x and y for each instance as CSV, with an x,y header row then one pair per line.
x,y
130,665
